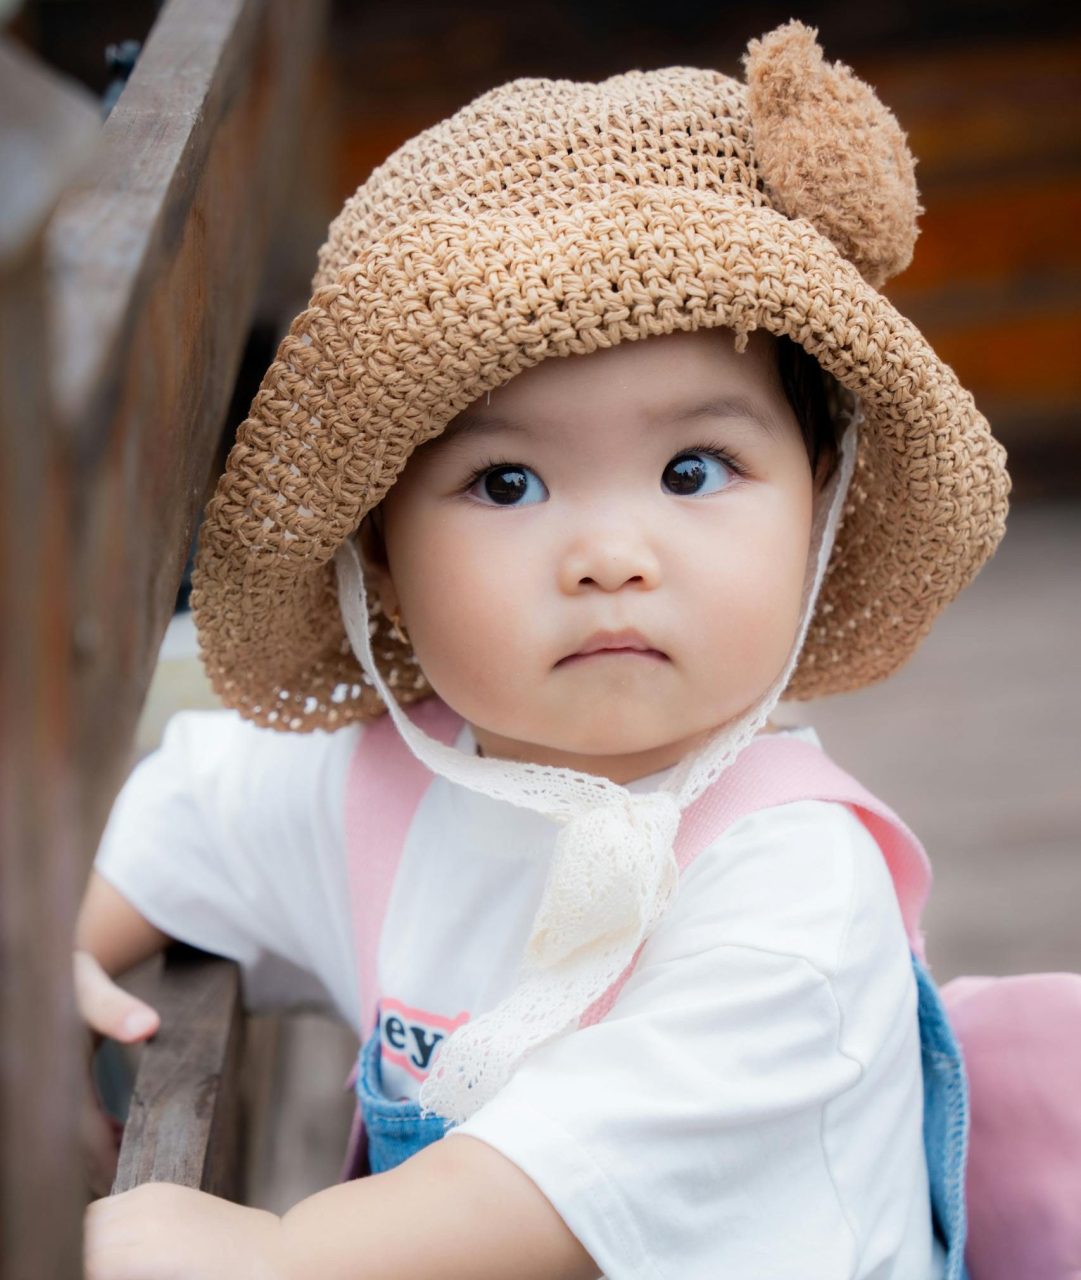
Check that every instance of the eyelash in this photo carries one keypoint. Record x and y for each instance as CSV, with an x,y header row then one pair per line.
x,y
484,468
722,455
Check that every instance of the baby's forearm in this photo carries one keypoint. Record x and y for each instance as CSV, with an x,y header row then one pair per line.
x,y
111,929
458,1210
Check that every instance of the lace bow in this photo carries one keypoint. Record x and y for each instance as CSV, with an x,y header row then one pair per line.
x,y
613,875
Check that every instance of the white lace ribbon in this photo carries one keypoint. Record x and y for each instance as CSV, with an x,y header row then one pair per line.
x,y
614,870
612,876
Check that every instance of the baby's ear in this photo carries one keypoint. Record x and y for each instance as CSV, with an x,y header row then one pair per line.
x,y
369,542
372,548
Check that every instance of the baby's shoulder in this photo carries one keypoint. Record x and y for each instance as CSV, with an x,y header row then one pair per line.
x,y
794,878
219,747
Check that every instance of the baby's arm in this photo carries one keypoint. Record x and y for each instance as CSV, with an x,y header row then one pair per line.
x,y
458,1210
110,938
112,931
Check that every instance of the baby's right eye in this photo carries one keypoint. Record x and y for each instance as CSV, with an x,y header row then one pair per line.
x,y
508,485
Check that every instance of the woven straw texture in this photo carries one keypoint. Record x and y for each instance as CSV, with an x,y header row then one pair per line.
x,y
551,218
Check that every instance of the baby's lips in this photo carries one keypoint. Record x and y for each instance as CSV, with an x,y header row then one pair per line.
x,y
614,641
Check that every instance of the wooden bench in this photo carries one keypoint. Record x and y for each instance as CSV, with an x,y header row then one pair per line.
x,y
133,256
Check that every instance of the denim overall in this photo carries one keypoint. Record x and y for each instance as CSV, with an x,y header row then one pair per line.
x,y
387,1131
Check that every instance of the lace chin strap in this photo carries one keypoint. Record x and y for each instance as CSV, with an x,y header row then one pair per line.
x,y
614,870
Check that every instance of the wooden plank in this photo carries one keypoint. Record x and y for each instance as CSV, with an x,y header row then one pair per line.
x,y
148,278
185,1122
48,129
155,265
173,241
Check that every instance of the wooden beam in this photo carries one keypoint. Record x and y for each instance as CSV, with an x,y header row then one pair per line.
x,y
155,264
121,325
49,129
185,1123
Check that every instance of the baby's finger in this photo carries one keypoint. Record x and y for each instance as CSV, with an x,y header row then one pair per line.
x,y
107,1008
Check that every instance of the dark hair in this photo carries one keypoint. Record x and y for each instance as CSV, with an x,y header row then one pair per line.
x,y
805,387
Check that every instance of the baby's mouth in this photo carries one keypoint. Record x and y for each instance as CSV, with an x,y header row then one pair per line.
x,y
621,645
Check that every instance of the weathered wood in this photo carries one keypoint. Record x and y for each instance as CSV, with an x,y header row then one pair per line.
x,y
48,128
119,340
170,245
185,1123
155,265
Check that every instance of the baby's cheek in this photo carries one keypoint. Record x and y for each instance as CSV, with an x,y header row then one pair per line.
x,y
463,638
749,628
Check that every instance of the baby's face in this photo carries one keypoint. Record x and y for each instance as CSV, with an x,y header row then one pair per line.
x,y
583,575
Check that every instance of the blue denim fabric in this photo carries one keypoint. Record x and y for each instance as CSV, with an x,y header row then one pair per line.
x,y
945,1121
396,1130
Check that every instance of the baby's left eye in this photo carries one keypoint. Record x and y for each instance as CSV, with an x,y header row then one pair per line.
x,y
691,474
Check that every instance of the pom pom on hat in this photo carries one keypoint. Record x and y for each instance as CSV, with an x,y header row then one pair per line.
x,y
829,151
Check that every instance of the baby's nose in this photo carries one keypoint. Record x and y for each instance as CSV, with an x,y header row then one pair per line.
x,y
609,562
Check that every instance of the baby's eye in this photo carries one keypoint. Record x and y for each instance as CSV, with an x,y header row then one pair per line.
x,y
691,474
509,486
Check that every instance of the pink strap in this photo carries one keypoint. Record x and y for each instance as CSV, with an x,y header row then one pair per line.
x,y
776,770
385,785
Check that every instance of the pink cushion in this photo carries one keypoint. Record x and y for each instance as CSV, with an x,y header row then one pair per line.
x,y
1021,1040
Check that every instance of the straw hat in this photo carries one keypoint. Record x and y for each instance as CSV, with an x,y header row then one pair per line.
x,y
550,218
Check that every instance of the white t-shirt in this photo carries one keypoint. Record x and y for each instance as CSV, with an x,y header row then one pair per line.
x,y
750,1107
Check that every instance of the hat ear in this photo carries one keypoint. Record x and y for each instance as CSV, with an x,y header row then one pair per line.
x,y
829,151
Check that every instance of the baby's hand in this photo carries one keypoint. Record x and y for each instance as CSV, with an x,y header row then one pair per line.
x,y
109,1011
160,1231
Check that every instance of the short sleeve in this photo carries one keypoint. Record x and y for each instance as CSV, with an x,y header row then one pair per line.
x,y
751,1105
230,837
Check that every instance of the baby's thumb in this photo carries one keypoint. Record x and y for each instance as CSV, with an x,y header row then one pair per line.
x,y
107,1008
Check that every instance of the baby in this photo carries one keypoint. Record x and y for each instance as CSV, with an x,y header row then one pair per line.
x,y
638,976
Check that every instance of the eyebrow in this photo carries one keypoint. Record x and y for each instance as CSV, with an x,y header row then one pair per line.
x,y
733,406
474,422
466,425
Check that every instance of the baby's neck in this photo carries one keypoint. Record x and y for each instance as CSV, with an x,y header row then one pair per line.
x,y
621,769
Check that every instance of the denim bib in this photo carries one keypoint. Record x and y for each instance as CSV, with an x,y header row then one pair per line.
x,y
395,1130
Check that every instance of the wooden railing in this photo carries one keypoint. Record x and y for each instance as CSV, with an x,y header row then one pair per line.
x,y
186,1120
131,255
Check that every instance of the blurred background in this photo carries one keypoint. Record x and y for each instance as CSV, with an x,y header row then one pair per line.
x,y
976,742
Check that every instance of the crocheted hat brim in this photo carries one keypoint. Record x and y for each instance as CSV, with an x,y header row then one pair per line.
x,y
445,307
